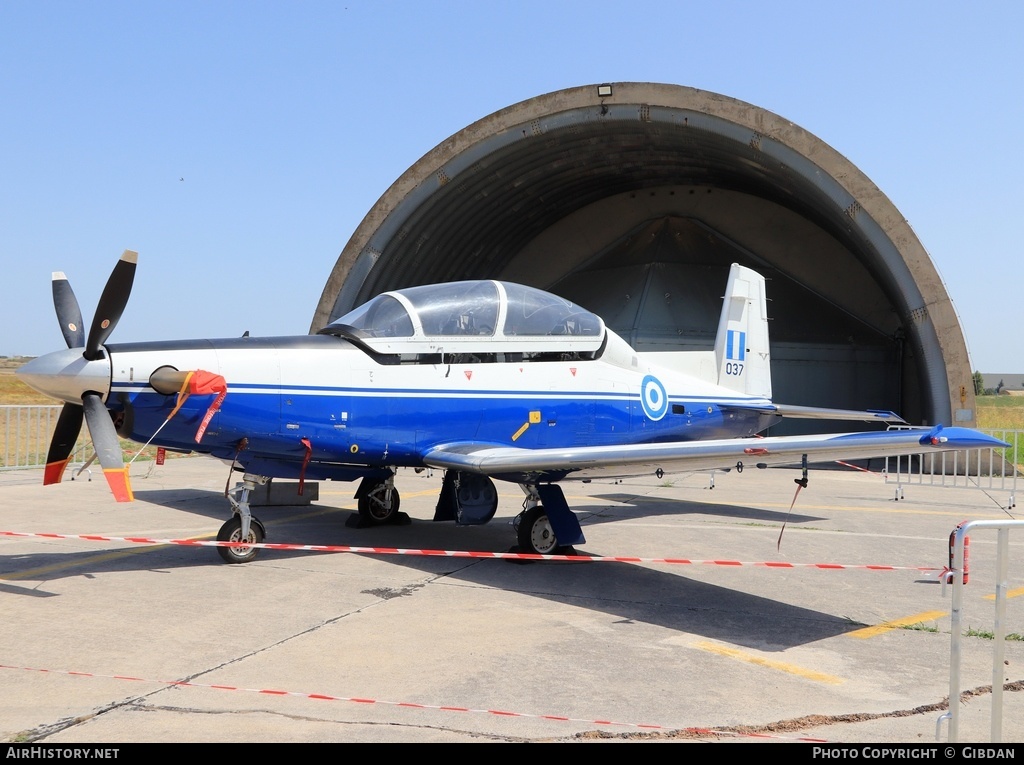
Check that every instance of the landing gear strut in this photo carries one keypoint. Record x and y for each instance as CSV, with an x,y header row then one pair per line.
x,y
243,526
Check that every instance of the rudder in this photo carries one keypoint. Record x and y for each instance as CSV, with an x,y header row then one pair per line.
x,y
741,345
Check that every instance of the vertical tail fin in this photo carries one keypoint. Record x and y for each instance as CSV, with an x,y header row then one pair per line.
x,y
741,346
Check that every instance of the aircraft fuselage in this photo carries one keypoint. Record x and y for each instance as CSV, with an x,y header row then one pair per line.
x,y
325,397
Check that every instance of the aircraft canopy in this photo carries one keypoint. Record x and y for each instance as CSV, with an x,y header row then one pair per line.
x,y
482,315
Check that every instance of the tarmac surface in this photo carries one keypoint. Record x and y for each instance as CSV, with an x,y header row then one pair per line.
x,y
106,641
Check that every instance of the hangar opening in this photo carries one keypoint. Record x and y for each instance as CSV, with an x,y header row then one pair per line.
x,y
633,199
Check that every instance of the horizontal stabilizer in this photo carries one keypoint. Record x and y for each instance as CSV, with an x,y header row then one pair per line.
x,y
820,413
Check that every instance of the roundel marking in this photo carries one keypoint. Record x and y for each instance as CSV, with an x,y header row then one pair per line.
x,y
653,397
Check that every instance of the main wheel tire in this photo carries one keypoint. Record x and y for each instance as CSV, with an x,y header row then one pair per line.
x,y
231,531
535,534
371,506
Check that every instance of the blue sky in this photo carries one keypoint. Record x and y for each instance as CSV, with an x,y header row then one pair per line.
x,y
288,120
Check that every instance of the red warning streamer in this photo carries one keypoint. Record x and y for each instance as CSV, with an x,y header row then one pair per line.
x,y
308,446
202,383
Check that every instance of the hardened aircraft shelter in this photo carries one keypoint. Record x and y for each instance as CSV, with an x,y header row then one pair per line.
x,y
633,199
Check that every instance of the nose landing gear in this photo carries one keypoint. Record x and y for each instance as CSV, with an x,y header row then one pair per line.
x,y
243,526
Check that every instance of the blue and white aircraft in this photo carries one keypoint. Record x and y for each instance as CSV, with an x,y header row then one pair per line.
x,y
485,380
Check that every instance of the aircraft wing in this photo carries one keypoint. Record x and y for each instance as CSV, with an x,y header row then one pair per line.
x,y
619,461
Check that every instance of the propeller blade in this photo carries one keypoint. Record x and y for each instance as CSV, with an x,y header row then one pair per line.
x,y
68,313
69,425
111,306
108,447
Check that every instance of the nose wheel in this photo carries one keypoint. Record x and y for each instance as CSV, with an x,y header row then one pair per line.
x,y
243,526
231,531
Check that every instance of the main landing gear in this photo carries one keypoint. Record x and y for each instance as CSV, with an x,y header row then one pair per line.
x,y
546,529
243,526
534,532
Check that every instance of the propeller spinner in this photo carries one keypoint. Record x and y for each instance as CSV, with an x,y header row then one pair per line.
x,y
80,376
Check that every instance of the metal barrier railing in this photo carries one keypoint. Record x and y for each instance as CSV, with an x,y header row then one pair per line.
x,y
986,469
956,576
25,432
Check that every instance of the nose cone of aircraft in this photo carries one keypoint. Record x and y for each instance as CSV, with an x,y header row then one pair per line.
x,y
66,375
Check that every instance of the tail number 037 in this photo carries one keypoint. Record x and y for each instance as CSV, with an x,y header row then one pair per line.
x,y
733,368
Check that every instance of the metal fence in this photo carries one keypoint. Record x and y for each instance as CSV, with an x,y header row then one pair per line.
x,y
26,431
957,575
993,470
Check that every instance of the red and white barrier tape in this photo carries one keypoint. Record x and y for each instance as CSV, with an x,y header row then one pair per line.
x,y
469,554
411,705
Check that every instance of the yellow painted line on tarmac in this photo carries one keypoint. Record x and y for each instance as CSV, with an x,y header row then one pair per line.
x,y
792,669
42,571
801,505
1009,594
848,508
639,499
410,495
897,511
906,621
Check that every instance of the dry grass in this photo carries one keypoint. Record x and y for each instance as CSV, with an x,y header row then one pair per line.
x,y
1001,412
13,390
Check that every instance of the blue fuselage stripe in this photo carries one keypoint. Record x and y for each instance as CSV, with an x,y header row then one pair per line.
x,y
396,426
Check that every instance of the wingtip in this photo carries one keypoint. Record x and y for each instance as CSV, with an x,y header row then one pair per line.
x,y
961,438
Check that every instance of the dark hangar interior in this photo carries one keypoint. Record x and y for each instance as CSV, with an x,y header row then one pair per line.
x,y
632,200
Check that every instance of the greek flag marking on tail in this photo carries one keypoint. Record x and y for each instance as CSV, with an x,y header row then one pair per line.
x,y
736,345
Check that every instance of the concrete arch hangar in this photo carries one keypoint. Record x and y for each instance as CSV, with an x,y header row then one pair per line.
x,y
632,200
